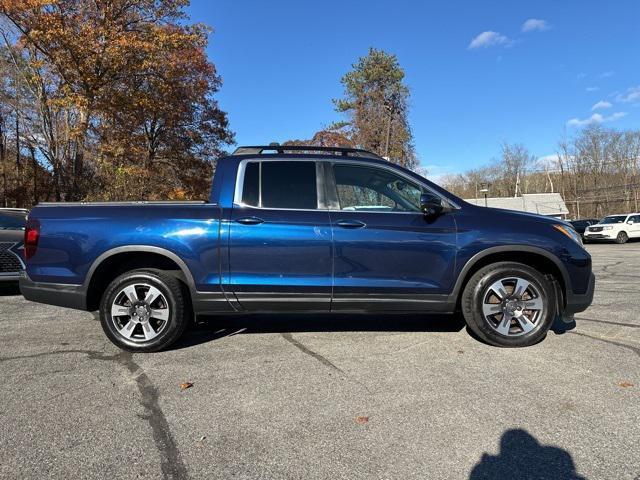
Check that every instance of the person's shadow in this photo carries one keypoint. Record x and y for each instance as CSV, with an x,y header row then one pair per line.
x,y
523,457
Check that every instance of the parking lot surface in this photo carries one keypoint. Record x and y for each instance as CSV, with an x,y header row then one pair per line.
x,y
326,397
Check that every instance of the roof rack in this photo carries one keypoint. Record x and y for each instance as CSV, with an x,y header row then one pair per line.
x,y
344,151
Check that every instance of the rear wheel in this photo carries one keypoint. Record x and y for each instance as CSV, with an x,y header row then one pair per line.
x,y
509,304
143,311
622,237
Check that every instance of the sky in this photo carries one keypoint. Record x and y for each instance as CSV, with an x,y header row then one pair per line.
x,y
480,72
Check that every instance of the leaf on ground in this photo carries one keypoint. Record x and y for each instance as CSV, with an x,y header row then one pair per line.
x,y
185,385
361,420
626,384
460,351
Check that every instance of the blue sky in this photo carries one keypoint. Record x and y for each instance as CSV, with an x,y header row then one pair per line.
x,y
479,73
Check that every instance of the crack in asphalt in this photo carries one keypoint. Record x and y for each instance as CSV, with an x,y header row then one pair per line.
x,y
304,349
171,463
636,350
630,325
300,346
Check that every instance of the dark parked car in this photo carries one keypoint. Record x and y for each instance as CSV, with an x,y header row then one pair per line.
x,y
12,223
581,225
293,231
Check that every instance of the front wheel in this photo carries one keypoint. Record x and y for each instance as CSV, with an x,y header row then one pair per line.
x,y
509,304
622,237
143,311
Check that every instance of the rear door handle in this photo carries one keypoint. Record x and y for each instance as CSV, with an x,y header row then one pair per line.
x,y
350,224
250,220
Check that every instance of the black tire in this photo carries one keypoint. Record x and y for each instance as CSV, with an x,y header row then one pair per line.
x,y
172,295
478,288
622,238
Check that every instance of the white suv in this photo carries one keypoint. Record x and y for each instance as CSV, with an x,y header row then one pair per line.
x,y
615,227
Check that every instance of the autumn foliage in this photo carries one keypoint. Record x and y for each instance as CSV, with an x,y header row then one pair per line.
x,y
114,96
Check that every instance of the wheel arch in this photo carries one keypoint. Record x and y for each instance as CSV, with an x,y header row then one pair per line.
x,y
539,258
118,260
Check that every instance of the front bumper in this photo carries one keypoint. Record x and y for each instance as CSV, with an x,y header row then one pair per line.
x,y
59,294
600,236
580,302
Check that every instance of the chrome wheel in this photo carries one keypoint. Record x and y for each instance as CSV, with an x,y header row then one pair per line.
x,y
140,312
513,306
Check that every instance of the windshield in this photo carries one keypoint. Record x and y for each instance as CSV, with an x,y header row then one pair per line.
x,y
12,222
614,219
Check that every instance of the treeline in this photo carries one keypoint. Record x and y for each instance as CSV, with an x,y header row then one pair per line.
x,y
597,172
108,100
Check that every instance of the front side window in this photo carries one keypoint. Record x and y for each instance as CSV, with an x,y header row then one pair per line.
x,y
362,188
280,184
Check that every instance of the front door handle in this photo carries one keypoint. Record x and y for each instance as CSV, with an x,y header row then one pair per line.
x,y
250,220
350,224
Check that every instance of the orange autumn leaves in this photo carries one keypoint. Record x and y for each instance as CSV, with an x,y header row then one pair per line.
x,y
135,87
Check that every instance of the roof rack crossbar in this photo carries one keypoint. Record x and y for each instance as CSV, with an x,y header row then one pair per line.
x,y
344,151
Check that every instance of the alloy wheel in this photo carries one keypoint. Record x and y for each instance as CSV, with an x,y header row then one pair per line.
x,y
140,312
512,306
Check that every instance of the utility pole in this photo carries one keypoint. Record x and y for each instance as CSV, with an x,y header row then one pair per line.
x,y
485,191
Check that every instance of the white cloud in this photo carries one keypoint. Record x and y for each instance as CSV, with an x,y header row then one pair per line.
x,y
632,95
535,24
581,75
602,104
548,162
595,118
489,39
592,89
609,73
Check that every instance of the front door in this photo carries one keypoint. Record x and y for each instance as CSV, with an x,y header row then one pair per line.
x,y
280,250
388,256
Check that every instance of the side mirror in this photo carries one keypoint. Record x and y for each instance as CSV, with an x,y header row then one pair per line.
x,y
630,222
431,205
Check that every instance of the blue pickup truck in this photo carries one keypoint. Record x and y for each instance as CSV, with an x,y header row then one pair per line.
x,y
306,229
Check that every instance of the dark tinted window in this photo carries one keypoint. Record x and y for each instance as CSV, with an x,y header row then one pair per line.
x,y
614,219
250,188
10,221
289,185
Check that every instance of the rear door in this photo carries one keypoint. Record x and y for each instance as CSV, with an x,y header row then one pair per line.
x,y
388,257
280,249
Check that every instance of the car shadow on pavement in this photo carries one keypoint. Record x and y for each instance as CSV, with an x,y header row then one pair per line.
x,y
521,456
210,328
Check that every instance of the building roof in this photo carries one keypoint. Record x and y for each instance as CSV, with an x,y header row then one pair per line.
x,y
540,203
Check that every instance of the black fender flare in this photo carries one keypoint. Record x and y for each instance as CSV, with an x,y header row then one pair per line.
x,y
140,248
514,248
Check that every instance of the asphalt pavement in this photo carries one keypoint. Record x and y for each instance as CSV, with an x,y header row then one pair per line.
x,y
326,397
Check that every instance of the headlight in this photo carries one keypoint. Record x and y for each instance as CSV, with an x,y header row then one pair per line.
x,y
608,227
569,232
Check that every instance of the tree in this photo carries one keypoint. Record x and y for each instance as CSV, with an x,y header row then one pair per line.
x,y
515,161
324,138
114,86
375,102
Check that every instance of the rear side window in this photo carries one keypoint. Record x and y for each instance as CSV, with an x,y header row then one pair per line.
x,y
12,222
280,184
251,187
